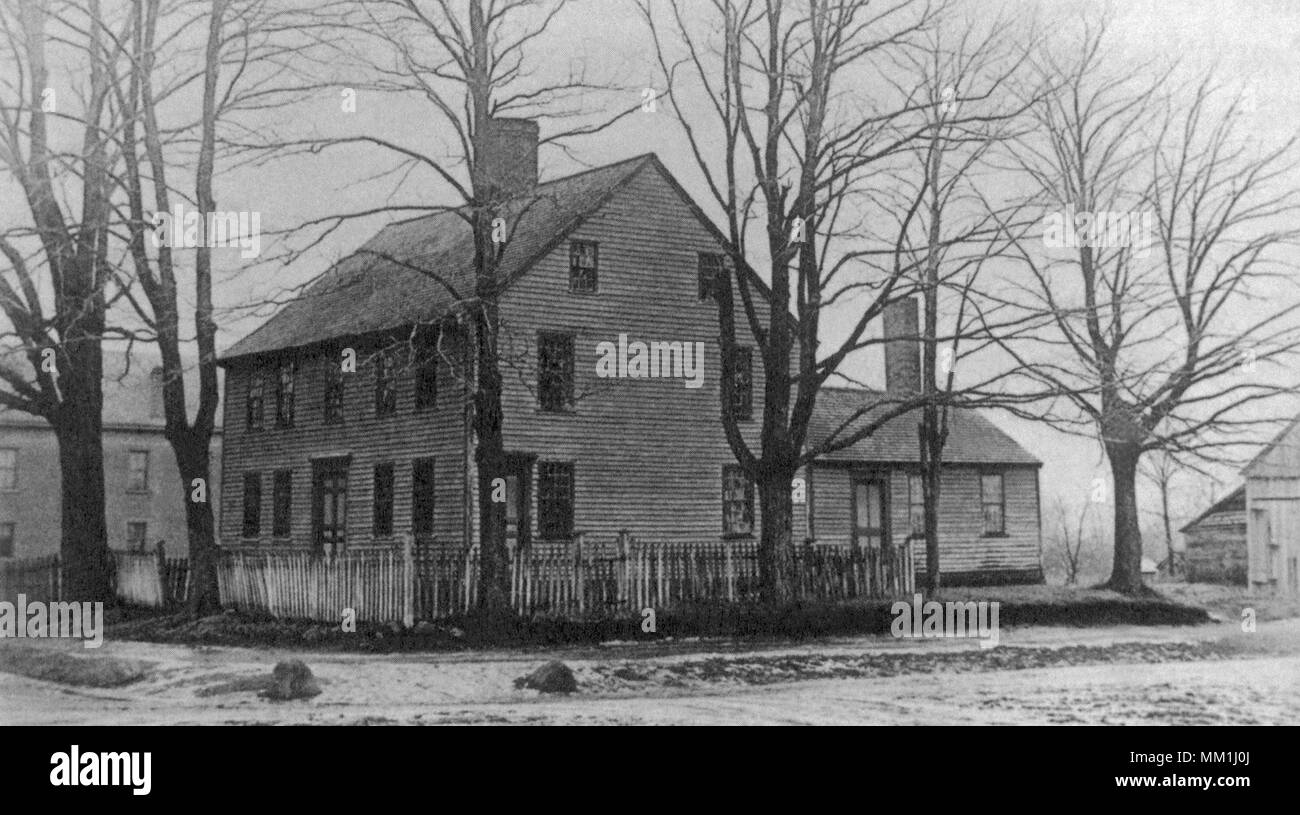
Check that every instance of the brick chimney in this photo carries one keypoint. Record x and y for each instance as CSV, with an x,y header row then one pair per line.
x,y
511,161
902,346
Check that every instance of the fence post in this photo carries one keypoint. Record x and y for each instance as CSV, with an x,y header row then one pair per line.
x,y
408,580
624,538
162,574
578,582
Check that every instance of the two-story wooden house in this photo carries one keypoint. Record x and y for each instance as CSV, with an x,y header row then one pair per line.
x,y
611,370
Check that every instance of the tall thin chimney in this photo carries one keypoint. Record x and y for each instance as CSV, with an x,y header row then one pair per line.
x,y
902,346
510,164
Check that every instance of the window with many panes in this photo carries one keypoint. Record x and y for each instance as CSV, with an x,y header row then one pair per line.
x,y
6,540
422,497
554,500
255,399
333,390
385,385
582,266
383,500
993,503
742,387
737,501
710,272
137,536
916,505
8,468
137,471
554,370
282,503
252,526
426,382
284,393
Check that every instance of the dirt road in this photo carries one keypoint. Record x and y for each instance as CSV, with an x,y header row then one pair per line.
x,y
1202,675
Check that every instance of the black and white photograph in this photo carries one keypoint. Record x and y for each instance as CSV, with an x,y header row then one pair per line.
x,y
650,362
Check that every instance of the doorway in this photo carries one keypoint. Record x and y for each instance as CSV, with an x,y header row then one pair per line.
x,y
870,513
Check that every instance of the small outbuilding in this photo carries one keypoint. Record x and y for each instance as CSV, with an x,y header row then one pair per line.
x,y
1216,542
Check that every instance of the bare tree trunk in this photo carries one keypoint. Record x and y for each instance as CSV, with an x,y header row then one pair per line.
x,y
193,459
1126,573
84,545
776,538
490,458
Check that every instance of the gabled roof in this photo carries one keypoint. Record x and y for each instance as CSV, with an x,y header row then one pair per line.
x,y
1277,443
972,438
1234,501
389,282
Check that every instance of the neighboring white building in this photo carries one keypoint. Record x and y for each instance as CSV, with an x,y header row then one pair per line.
x,y
1273,513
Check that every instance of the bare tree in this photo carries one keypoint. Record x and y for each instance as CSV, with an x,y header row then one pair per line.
x,y
470,64
1163,282
53,290
1075,544
806,117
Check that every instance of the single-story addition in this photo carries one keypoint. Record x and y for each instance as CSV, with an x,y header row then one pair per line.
x,y
1273,514
322,458
1216,542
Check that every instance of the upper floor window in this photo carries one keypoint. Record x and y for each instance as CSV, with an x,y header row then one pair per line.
x,y
8,468
426,382
554,500
137,475
737,501
137,535
993,502
333,391
6,540
742,384
711,270
284,393
582,266
554,370
385,386
255,399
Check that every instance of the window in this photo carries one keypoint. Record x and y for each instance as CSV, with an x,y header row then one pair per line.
x,y
333,390
137,536
8,468
916,505
385,387
554,500
252,505
282,503
426,383
737,501
157,410
992,501
582,267
422,497
284,394
711,270
329,503
137,476
6,540
555,370
383,500
254,400
742,387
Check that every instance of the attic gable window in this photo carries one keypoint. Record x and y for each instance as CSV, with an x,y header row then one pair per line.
x,y
284,393
253,403
582,267
742,387
554,371
711,270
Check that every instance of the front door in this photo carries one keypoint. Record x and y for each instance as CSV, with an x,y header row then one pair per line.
x,y
869,513
519,471
329,494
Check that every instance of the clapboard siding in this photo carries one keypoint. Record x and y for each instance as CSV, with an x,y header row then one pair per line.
x,y
648,453
1273,528
368,439
963,546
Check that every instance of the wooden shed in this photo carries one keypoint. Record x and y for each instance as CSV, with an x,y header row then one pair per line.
x,y
1273,513
1216,542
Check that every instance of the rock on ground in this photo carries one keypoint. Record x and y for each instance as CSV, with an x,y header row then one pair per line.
x,y
553,677
292,679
